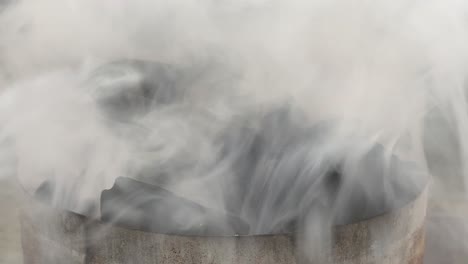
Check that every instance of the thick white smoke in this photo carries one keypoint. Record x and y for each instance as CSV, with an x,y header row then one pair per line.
x,y
388,72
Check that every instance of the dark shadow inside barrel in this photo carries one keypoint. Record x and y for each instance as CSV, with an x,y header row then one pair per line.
x,y
275,171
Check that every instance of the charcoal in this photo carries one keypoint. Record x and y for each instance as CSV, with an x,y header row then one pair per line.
x,y
48,194
280,173
270,154
137,205
274,175
379,184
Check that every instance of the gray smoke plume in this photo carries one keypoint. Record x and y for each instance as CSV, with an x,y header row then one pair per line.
x,y
284,114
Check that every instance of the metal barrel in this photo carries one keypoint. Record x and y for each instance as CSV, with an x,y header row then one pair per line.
x,y
50,236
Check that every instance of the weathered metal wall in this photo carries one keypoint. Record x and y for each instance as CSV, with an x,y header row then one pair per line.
x,y
50,236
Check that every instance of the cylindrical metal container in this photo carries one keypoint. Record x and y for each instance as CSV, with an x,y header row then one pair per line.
x,y
56,236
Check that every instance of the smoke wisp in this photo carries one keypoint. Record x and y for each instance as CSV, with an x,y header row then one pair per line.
x,y
281,115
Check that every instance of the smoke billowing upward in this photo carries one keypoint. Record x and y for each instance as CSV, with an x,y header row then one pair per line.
x,y
279,113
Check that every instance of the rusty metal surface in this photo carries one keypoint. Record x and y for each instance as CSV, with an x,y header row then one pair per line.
x,y
125,246
52,236
447,228
395,237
